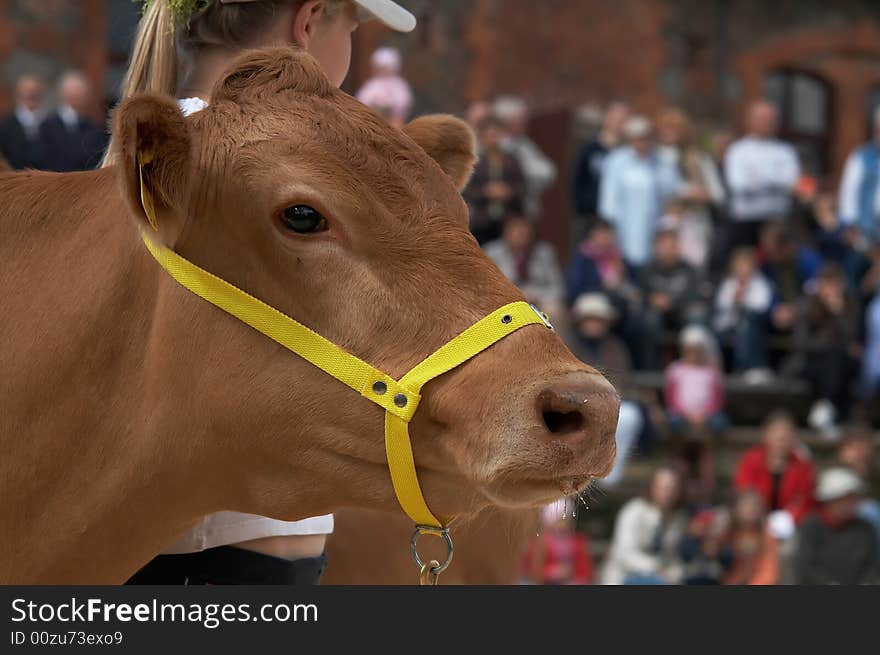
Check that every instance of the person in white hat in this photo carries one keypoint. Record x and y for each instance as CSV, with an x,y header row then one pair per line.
x,y
593,316
182,49
834,545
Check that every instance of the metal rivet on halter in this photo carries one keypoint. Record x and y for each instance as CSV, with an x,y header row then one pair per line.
x,y
433,568
401,400
507,319
380,388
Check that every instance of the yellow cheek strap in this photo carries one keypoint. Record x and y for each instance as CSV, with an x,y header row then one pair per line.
x,y
399,398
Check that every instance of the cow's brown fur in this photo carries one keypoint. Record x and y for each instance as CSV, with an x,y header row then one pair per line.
x,y
132,407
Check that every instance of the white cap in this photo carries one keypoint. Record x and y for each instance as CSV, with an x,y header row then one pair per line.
x,y
696,335
387,58
837,483
780,524
637,127
385,11
509,108
594,305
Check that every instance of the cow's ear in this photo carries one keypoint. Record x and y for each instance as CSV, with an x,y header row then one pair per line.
x,y
268,72
153,153
449,142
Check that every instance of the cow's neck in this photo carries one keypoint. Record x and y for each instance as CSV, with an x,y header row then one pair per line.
x,y
119,438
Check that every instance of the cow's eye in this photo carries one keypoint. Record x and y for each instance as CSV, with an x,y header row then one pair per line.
x,y
303,219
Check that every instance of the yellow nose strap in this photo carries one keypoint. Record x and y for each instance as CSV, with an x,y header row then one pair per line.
x,y
399,398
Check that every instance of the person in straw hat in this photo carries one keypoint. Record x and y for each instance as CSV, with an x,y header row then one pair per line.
x,y
182,48
835,546
594,315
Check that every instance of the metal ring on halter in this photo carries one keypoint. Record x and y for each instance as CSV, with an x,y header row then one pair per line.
x,y
437,532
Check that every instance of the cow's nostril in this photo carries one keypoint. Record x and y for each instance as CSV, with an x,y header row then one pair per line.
x,y
563,422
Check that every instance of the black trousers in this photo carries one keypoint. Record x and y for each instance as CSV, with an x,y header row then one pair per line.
x,y
228,565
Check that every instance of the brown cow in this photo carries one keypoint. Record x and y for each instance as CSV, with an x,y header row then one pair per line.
x,y
370,547
131,407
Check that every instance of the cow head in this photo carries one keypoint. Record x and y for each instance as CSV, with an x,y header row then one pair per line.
x,y
298,194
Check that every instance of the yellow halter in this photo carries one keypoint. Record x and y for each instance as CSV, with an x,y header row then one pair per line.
x,y
399,398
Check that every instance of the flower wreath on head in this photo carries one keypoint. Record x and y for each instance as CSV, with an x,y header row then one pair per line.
x,y
183,10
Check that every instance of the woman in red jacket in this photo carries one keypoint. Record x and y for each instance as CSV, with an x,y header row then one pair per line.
x,y
778,469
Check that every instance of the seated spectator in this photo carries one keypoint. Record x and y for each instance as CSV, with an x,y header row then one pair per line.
x,y
778,469
693,229
789,269
645,548
835,546
594,344
694,395
560,555
827,348
871,358
856,453
530,264
71,141
387,91
497,188
753,549
741,307
597,265
636,184
836,242
669,286
705,550
694,387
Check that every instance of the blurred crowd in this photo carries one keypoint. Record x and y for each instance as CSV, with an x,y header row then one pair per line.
x,y
785,524
59,136
705,263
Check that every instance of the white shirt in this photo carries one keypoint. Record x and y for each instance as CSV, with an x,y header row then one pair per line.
x,y
632,193
761,174
68,116
225,528
29,121
632,551
757,299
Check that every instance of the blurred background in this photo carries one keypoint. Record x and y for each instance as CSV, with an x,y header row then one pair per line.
x,y
690,188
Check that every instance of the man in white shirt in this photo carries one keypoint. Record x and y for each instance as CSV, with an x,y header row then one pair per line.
x,y
20,131
761,173
859,201
71,140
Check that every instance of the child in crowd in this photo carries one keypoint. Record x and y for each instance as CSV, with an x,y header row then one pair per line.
x,y
694,388
693,229
386,91
741,307
754,550
694,396
560,555
705,550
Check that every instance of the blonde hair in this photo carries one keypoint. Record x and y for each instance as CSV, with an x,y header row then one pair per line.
x,y
162,35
